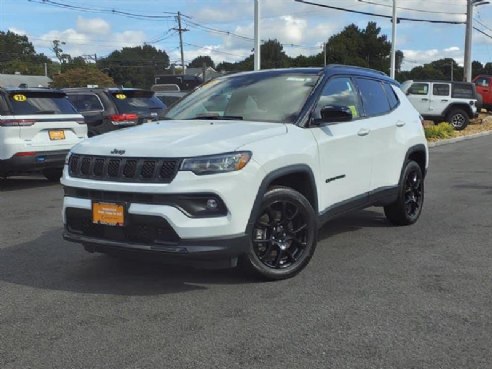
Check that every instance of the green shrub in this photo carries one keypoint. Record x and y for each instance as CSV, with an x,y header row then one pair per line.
x,y
440,131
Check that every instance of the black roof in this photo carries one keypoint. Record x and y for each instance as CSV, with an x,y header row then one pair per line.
x,y
109,89
31,89
330,70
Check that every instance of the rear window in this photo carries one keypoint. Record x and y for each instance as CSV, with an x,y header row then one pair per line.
x,y
440,89
463,91
86,102
34,102
373,97
136,101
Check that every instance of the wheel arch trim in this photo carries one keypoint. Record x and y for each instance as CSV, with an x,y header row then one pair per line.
x,y
274,175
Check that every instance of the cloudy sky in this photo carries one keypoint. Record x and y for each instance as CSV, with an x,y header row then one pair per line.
x,y
223,29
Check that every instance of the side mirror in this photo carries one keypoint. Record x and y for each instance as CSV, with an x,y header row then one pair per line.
x,y
335,114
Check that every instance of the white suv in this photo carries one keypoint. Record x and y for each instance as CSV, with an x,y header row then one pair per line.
x,y
454,102
37,129
248,167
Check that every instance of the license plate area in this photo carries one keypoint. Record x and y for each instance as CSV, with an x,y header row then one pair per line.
x,y
112,214
56,135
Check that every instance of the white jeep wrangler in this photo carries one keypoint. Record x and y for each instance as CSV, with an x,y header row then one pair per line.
x,y
248,167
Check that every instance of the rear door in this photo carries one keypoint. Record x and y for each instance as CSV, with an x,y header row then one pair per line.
x,y
440,98
49,121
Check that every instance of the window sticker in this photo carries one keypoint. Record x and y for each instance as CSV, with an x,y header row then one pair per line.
x,y
120,96
19,97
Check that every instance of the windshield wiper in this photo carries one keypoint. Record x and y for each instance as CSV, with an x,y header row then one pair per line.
x,y
218,117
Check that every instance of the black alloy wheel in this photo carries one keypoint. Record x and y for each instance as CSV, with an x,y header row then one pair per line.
x,y
414,193
284,234
408,207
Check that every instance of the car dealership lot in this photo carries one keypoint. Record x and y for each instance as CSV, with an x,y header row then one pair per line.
x,y
374,296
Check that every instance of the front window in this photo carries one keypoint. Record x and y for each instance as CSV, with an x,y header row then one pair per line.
x,y
262,97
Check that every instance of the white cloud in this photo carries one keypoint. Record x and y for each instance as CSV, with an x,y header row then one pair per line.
x,y
414,58
93,26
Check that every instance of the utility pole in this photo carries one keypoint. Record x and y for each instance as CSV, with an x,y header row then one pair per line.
x,y
181,30
257,58
452,69
393,42
324,52
468,40
468,36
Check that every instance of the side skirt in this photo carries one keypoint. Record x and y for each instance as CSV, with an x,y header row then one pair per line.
x,y
379,197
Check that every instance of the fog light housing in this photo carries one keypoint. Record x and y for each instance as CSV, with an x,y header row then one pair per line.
x,y
212,204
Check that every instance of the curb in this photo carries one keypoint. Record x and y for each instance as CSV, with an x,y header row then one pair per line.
x,y
459,139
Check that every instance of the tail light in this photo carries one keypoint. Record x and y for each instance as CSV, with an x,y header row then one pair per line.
x,y
16,122
124,119
25,153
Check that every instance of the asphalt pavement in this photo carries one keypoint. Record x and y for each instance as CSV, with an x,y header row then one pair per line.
x,y
373,296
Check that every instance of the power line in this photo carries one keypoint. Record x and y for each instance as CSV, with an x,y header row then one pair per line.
x,y
376,14
482,32
410,9
104,10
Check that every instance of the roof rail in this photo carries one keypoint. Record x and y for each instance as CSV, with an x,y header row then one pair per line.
x,y
356,67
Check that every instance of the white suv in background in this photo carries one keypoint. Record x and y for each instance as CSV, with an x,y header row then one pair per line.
x,y
37,129
453,102
248,167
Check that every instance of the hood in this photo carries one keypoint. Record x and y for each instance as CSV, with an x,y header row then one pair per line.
x,y
180,138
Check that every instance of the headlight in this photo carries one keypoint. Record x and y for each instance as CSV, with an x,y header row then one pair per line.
x,y
217,163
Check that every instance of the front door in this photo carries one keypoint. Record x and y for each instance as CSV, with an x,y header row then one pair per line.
x,y
419,96
344,148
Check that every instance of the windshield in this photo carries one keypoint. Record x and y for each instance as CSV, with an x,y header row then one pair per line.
x,y
250,97
45,102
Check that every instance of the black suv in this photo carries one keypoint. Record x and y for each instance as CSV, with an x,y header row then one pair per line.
x,y
108,109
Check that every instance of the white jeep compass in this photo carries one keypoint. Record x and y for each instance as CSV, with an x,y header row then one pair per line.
x,y
248,167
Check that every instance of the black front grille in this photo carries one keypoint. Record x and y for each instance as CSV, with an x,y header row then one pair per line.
x,y
123,169
139,229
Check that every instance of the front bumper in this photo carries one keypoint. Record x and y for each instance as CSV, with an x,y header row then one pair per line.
x,y
34,163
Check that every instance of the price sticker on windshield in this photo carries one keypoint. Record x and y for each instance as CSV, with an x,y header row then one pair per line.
x,y
19,97
120,96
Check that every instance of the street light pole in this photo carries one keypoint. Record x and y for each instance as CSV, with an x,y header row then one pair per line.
x,y
393,42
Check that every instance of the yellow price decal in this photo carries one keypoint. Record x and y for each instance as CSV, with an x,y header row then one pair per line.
x,y
120,96
19,98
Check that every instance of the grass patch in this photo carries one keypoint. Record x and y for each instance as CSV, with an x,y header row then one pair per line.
x,y
439,131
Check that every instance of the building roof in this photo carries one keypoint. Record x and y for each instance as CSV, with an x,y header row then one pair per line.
x,y
15,80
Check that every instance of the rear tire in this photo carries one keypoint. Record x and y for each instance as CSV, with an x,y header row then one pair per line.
x,y
284,235
407,208
458,118
53,174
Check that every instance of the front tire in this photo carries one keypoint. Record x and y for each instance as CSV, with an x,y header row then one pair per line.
x,y
458,118
284,235
407,208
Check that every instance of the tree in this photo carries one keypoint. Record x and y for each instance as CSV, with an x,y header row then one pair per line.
x,y
273,55
135,66
81,77
17,54
199,61
360,47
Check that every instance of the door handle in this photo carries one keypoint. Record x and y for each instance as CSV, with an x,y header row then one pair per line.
x,y
363,132
424,99
444,100
400,123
